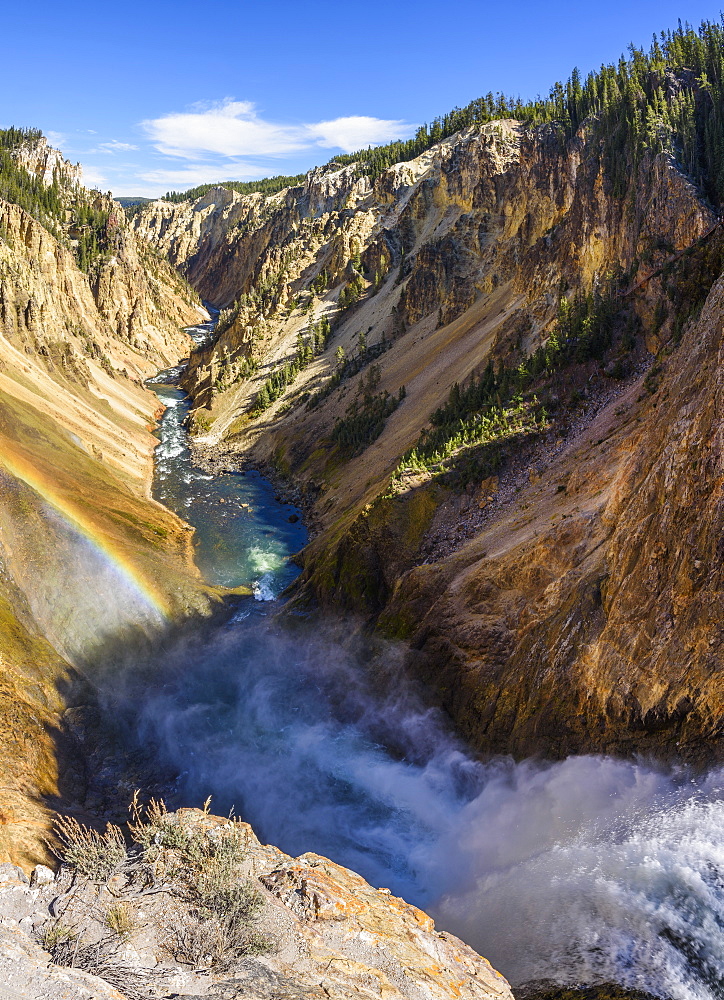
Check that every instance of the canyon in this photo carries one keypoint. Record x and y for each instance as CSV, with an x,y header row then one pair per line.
x,y
565,602
516,627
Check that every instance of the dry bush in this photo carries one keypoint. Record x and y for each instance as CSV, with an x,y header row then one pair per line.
x,y
223,907
147,821
101,958
156,831
96,856
193,941
54,936
204,938
215,861
120,921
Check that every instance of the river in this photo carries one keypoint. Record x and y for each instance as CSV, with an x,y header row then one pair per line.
x,y
243,534
590,870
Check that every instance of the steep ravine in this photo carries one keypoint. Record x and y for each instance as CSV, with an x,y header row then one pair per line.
x,y
95,574
592,870
580,612
590,616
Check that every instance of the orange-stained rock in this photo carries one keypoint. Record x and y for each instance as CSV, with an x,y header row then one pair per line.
x,y
334,934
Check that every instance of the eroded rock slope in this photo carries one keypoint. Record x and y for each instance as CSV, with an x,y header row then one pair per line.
x,y
559,585
83,549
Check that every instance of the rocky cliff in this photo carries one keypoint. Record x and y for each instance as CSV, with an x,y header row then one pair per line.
x,y
584,613
319,930
556,576
83,548
43,161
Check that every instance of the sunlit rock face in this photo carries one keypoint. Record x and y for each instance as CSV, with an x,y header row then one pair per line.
x,y
43,161
499,206
332,933
571,602
222,241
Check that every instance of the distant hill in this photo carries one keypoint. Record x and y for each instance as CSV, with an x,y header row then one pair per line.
x,y
267,185
129,201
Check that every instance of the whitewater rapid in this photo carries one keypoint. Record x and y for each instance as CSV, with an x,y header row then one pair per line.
x,y
244,534
584,871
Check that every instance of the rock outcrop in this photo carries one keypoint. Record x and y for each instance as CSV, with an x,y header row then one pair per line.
x,y
224,242
45,162
330,934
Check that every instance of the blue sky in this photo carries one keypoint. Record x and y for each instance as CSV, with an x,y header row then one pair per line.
x,y
158,95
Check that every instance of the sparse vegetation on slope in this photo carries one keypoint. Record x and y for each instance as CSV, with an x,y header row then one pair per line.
x,y
365,418
499,405
346,368
308,346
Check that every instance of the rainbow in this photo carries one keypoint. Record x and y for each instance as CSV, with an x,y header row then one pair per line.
x,y
19,467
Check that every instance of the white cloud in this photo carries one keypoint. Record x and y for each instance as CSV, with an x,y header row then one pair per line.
x,y
233,128
226,140
229,129
114,146
56,139
94,178
201,173
356,132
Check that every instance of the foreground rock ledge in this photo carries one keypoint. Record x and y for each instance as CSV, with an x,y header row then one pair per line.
x,y
336,936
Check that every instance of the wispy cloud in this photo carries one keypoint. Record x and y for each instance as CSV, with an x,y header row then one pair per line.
x,y
235,129
202,173
57,139
94,178
114,146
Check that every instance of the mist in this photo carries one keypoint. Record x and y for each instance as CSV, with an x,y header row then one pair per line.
x,y
587,870
79,594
